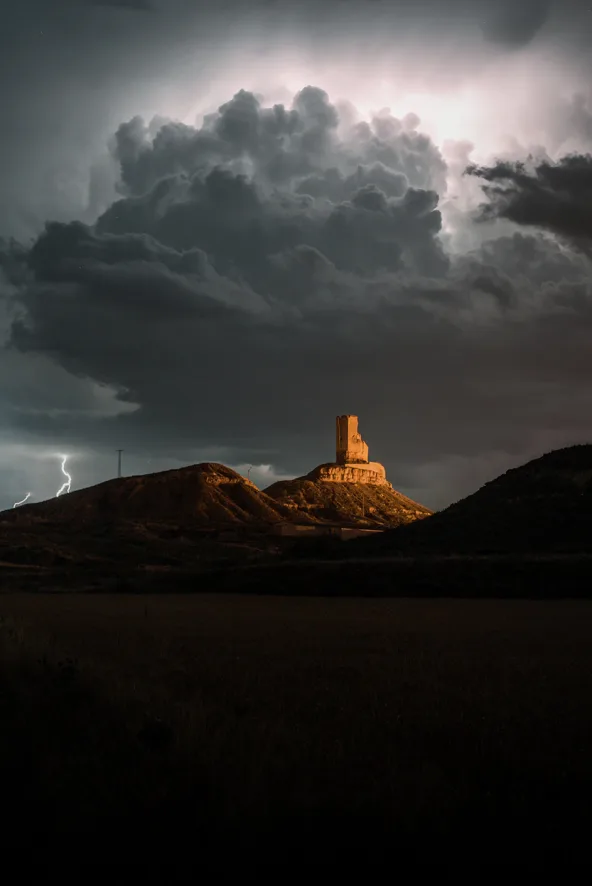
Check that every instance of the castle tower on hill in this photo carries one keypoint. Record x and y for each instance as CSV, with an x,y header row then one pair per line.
x,y
350,448
351,463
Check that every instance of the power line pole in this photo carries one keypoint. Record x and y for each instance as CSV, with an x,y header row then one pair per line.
x,y
119,451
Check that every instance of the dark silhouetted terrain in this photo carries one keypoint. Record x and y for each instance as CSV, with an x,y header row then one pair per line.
x,y
206,528
258,724
126,532
544,506
236,730
182,519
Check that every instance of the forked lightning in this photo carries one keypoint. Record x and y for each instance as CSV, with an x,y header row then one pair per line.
x,y
17,503
65,487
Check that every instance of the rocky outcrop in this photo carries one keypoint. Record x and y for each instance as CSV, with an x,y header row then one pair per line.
x,y
351,463
372,472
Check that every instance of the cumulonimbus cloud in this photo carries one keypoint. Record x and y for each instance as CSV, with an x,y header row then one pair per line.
x,y
273,265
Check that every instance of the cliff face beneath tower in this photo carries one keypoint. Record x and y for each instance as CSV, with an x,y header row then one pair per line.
x,y
371,473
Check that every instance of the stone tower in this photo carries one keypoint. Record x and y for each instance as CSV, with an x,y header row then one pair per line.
x,y
350,448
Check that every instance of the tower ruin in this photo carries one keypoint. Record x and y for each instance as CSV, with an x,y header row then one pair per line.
x,y
351,463
350,448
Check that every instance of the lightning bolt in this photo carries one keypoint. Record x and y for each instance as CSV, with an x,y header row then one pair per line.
x,y
65,487
17,503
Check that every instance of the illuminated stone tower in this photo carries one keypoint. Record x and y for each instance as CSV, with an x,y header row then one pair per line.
x,y
351,463
350,448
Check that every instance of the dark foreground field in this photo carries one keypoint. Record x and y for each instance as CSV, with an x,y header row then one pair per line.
x,y
235,730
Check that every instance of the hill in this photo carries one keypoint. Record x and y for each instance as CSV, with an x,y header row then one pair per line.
x,y
351,503
177,520
204,495
543,506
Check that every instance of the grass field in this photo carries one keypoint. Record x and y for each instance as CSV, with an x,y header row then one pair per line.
x,y
449,730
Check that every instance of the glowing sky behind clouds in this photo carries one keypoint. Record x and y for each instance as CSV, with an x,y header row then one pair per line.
x,y
470,350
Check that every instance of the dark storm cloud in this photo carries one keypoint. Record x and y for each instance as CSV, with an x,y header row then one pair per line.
x,y
512,23
556,197
140,5
256,274
69,70
13,261
269,268
284,144
202,265
203,237
189,186
428,372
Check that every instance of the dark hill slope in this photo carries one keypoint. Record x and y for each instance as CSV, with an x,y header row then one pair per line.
x,y
201,495
542,506
174,520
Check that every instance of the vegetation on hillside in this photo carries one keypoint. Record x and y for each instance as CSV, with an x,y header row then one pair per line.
x,y
356,504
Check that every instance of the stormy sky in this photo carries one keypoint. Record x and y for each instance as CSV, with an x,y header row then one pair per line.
x,y
223,224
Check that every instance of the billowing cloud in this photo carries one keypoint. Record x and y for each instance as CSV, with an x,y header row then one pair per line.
x,y
251,255
225,255
277,265
556,197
